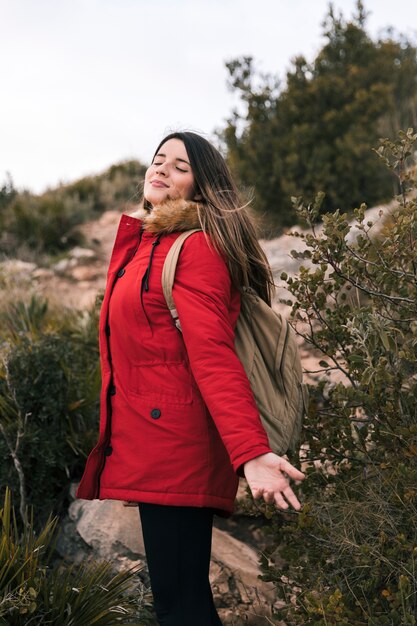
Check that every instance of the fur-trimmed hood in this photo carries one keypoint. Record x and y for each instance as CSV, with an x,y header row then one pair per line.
x,y
170,216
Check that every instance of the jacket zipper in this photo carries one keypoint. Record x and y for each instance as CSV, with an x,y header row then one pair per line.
x,y
145,279
108,403
107,442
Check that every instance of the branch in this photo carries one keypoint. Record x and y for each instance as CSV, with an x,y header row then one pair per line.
x,y
370,292
330,329
18,466
381,258
21,424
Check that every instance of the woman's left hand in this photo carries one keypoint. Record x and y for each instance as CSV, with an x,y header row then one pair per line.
x,y
267,476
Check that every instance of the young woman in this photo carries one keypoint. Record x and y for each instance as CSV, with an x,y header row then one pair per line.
x,y
179,423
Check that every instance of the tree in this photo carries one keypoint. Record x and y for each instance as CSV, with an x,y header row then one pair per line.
x,y
317,131
7,192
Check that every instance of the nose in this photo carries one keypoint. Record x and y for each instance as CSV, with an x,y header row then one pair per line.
x,y
160,169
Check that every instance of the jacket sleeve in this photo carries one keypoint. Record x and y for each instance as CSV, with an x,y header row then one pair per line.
x,y
202,295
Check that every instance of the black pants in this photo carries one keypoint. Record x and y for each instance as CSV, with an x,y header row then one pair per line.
x,y
178,545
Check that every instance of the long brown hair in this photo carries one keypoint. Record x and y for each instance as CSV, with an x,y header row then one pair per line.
x,y
223,215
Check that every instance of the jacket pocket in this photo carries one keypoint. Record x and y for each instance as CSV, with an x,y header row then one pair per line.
x,y
170,382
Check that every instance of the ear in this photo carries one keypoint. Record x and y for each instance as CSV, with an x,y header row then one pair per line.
x,y
198,197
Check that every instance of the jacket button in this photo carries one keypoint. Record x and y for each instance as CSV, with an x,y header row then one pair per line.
x,y
155,413
108,451
121,272
112,390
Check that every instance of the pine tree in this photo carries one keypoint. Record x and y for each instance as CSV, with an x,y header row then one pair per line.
x,y
316,131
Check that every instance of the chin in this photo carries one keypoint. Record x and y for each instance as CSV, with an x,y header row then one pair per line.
x,y
156,198
159,197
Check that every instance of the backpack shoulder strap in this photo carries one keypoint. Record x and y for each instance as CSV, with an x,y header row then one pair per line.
x,y
168,272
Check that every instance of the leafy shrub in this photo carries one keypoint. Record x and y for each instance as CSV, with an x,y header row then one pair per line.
x,y
47,224
34,591
117,185
350,555
49,399
42,223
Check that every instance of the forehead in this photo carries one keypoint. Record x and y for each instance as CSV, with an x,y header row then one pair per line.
x,y
173,148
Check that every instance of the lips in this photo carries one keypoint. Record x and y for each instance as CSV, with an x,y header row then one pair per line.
x,y
158,183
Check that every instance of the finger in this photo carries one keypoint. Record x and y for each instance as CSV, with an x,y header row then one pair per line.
x,y
292,498
280,502
256,493
269,497
292,471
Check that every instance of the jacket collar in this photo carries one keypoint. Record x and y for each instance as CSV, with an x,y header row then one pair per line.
x,y
170,216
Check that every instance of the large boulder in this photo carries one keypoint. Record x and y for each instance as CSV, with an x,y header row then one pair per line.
x,y
111,529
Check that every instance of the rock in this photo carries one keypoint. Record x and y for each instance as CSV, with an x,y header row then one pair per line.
x,y
112,530
102,232
239,595
64,265
17,268
241,561
70,544
42,272
76,257
85,273
82,254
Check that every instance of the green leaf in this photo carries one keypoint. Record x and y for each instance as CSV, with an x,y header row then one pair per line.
x,y
385,340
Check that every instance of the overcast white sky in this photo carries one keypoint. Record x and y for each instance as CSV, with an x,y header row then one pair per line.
x,y
87,83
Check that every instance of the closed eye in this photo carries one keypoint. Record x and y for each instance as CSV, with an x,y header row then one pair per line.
x,y
176,167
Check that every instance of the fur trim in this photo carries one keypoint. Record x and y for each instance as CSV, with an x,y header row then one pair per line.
x,y
140,213
171,216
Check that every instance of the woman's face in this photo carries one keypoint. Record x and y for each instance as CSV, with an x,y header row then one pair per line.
x,y
170,174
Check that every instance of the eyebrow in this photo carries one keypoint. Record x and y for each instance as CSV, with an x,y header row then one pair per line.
x,y
177,159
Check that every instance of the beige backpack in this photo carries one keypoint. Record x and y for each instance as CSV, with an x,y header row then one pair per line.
x,y
266,345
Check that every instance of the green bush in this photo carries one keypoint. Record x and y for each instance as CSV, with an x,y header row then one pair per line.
x,y
34,590
49,400
350,556
44,224
35,225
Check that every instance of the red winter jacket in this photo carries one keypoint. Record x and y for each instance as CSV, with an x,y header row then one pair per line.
x,y
178,418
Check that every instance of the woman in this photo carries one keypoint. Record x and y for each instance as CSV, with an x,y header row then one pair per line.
x,y
179,423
